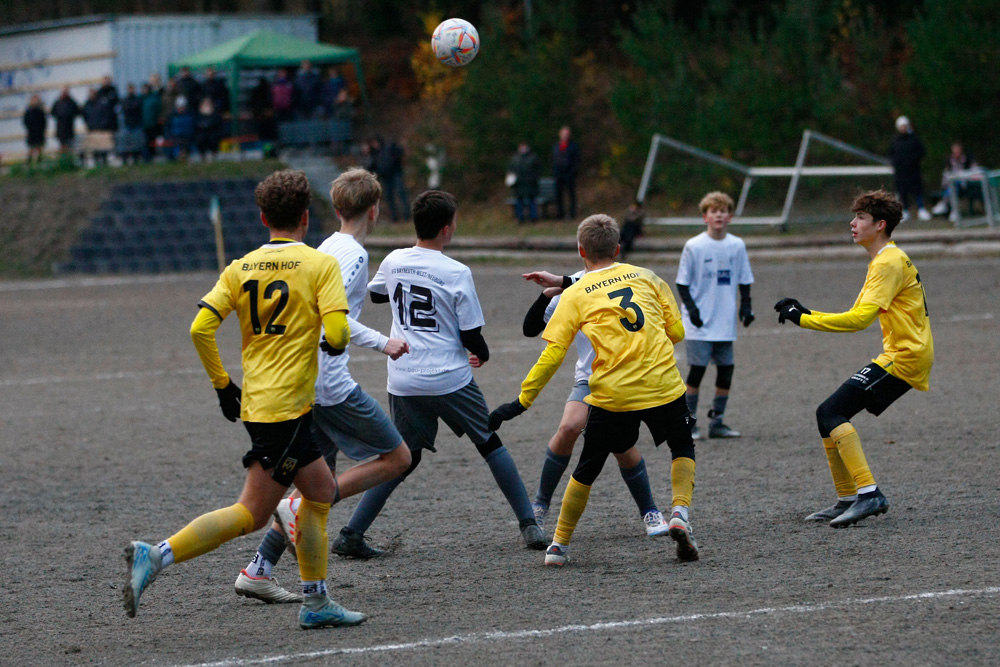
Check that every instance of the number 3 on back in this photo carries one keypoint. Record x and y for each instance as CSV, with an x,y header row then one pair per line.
x,y
625,294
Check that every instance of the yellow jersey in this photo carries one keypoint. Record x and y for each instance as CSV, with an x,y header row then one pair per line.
x,y
624,311
893,284
281,291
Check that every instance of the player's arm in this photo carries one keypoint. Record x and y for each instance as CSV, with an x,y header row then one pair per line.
x,y
203,329
336,333
857,318
675,332
473,341
363,336
693,313
543,370
534,319
746,309
546,279
378,297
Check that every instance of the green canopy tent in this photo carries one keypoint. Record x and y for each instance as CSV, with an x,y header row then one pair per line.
x,y
265,49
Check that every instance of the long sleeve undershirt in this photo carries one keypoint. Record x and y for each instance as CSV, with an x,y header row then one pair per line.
x,y
543,370
855,319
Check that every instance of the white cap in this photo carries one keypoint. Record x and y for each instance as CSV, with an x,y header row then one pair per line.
x,y
902,122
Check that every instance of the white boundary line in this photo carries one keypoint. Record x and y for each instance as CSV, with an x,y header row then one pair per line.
x,y
501,635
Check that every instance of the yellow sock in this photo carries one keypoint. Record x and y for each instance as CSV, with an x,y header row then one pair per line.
x,y
842,479
573,503
210,530
682,481
849,447
311,540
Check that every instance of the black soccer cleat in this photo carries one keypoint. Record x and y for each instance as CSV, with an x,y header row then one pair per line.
x,y
533,536
865,506
351,544
831,512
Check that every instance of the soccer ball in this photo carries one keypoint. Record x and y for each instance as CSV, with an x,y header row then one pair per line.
x,y
455,42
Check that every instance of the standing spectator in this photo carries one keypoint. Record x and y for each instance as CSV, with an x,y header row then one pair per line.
x,y
389,169
308,91
189,87
526,169
35,121
262,111
108,92
283,97
65,110
151,126
632,225
906,152
565,165
958,160
168,101
132,138
179,129
207,130
332,88
216,90
99,115
367,160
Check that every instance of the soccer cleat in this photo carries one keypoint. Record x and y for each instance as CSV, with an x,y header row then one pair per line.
x,y
265,589
556,555
831,512
654,523
533,537
351,544
722,431
696,433
143,562
329,615
872,505
286,519
923,214
680,531
541,511
941,208
906,216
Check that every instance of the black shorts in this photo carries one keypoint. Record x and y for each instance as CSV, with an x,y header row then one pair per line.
x,y
286,447
618,431
880,387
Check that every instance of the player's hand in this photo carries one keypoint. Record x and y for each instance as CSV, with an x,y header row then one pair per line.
x,y
395,348
695,316
475,361
746,315
506,412
544,278
229,400
330,349
790,309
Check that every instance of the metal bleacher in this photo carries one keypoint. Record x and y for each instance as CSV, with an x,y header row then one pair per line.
x,y
166,227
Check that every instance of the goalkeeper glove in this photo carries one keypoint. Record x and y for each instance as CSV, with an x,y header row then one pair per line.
x,y
506,412
746,314
790,309
229,400
330,349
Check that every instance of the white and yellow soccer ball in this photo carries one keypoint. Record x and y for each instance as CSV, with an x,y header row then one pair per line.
x,y
455,42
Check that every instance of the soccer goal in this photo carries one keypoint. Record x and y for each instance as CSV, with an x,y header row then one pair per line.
x,y
880,167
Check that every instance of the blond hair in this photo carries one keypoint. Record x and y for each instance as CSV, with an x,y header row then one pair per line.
x,y
354,192
598,235
718,200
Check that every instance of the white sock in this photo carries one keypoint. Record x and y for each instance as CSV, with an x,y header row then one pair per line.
x,y
867,489
314,589
259,567
166,554
848,499
680,509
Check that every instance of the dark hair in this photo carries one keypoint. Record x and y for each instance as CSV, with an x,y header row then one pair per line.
x,y
433,211
283,197
880,205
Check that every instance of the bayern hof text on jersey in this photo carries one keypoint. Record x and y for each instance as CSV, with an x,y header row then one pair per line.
x,y
272,266
607,282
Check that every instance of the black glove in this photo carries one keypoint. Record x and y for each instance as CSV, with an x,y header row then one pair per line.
x,y
229,400
746,313
506,412
790,309
330,349
695,317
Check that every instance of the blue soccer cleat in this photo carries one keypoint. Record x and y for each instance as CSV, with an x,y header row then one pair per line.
x,y
330,614
144,563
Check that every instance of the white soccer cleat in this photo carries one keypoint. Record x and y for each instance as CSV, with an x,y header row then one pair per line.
x,y
287,519
556,555
265,589
655,524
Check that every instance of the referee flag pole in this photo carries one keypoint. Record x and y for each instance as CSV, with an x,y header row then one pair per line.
x,y
215,214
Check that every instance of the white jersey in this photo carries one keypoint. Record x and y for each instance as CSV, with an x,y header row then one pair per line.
x,y
433,299
713,270
584,348
334,382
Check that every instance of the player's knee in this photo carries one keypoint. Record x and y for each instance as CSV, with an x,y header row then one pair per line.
x,y
724,379
566,436
490,446
695,374
415,455
828,417
399,460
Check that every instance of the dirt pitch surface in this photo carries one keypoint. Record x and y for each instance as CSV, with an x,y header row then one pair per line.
x,y
111,432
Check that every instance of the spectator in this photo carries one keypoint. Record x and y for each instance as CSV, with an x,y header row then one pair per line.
x,y
343,106
216,90
308,91
207,130
99,115
367,159
262,111
906,152
132,138
332,88
156,83
35,121
958,160
108,92
189,87
389,169
283,97
632,225
526,170
179,129
65,110
151,125
168,101
565,165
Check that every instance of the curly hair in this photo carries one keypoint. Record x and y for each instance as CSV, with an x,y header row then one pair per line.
x,y
598,235
354,192
283,197
881,205
718,200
